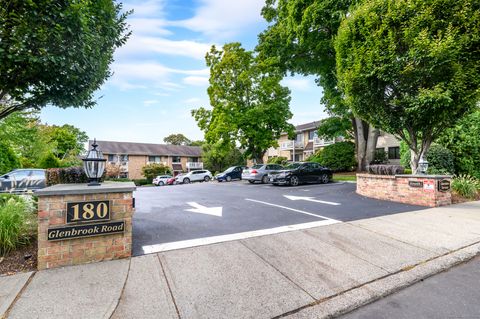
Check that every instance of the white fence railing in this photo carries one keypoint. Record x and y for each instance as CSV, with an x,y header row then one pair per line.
x,y
288,145
322,142
194,165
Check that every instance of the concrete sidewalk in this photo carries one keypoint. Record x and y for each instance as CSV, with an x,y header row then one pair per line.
x,y
313,273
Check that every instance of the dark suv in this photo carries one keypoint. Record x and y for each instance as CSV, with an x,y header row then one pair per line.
x,y
21,180
301,172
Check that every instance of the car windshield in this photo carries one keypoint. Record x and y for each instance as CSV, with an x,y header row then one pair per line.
x,y
257,166
293,166
228,170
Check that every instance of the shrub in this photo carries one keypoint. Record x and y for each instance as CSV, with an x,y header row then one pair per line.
x,y
17,223
113,170
67,175
338,157
381,157
404,155
407,171
440,160
466,186
141,182
50,161
277,160
385,169
151,171
8,159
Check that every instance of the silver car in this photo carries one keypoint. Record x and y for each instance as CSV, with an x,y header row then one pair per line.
x,y
161,180
259,172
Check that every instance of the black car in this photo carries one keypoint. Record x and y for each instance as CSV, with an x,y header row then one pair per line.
x,y
234,172
301,172
21,180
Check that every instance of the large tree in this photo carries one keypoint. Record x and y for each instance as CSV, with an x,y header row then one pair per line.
x,y
411,67
249,106
177,139
56,52
301,36
216,157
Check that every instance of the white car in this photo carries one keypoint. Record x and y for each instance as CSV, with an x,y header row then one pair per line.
x,y
194,176
161,180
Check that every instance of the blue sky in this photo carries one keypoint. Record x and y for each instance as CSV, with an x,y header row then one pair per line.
x,y
160,74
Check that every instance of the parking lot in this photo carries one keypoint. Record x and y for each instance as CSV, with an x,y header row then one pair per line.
x,y
173,217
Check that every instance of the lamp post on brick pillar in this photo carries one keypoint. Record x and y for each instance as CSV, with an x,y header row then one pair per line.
x,y
94,165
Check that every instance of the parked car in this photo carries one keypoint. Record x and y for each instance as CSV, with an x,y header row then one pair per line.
x,y
21,180
259,172
171,181
301,172
161,180
234,172
194,176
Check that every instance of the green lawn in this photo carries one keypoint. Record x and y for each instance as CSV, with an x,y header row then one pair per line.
x,y
344,177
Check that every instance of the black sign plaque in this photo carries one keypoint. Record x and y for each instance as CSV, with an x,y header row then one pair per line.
x,y
79,231
89,211
444,185
416,184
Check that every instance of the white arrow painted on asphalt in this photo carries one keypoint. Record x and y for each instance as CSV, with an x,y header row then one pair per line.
x,y
310,199
214,211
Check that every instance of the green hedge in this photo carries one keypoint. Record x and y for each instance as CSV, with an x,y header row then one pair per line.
x,y
8,159
277,160
440,160
67,175
339,157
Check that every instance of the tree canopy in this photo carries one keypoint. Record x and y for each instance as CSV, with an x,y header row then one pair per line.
x,y
249,106
411,67
301,37
177,139
216,157
56,52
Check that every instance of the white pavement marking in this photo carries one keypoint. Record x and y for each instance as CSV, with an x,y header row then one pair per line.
x,y
150,249
214,211
292,209
310,199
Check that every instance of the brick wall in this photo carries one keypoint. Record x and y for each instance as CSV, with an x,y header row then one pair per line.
x,y
397,189
52,213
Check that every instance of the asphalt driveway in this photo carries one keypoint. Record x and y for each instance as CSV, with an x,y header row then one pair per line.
x,y
180,216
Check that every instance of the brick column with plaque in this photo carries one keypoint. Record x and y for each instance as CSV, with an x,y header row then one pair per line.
x,y
80,224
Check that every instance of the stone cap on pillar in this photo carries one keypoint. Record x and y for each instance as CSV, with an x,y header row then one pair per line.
x,y
80,189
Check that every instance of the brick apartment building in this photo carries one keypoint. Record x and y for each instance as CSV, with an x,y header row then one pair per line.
x,y
307,142
133,156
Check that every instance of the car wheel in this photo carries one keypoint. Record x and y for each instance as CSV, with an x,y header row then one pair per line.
x,y
324,179
161,183
186,181
251,182
229,179
206,179
294,181
264,179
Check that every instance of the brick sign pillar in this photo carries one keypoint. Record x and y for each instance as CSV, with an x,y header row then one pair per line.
x,y
422,190
80,224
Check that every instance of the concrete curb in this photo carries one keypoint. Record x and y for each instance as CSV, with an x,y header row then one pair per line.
x,y
372,291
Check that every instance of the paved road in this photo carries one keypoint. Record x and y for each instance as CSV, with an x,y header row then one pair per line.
x,y
452,294
163,216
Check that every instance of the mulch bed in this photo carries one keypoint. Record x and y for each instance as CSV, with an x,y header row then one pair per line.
x,y
456,199
21,260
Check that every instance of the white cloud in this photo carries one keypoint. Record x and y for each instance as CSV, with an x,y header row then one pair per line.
x,y
138,75
196,80
221,19
299,84
139,45
150,102
192,100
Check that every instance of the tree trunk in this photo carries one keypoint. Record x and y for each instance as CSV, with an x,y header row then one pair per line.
x,y
373,134
361,145
416,154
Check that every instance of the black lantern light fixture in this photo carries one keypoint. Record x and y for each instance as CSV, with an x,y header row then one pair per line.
x,y
94,165
422,165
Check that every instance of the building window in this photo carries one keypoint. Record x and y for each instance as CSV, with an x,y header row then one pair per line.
x,y
394,152
124,158
193,159
298,157
312,135
299,137
112,157
176,159
123,175
154,159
